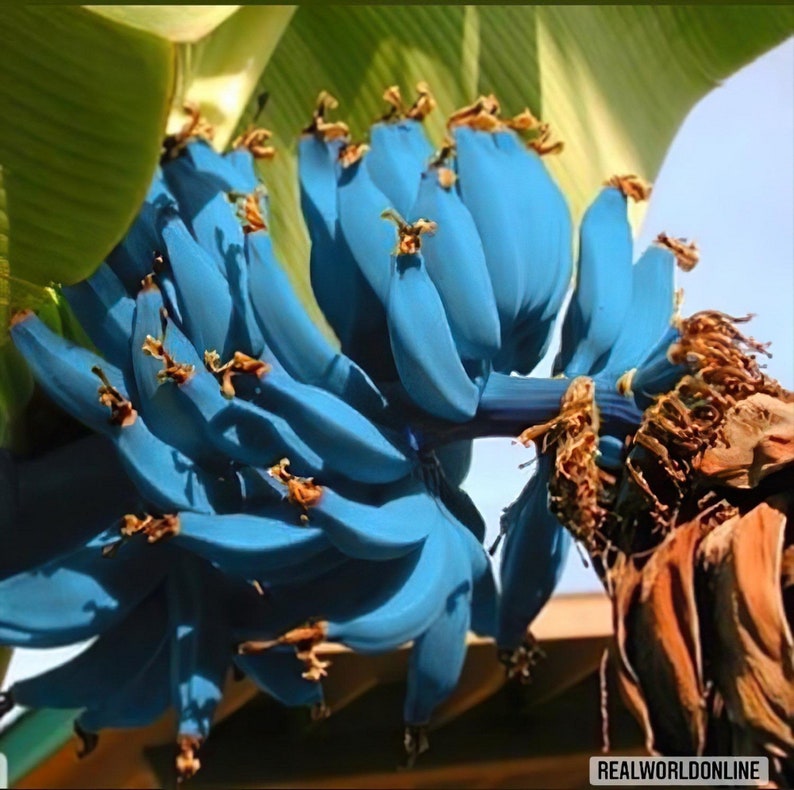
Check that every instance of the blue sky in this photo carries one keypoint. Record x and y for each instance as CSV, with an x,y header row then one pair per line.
x,y
728,183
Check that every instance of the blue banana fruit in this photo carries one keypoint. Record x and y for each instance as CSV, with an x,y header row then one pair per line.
x,y
117,655
543,232
424,350
536,546
233,172
136,703
93,392
201,653
437,659
438,654
455,459
656,373
484,595
205,303
455,261
347,441
650,312
360,205
132,259
345,297
160,404
602,295
280,676
76,597
377,530
455,500
105,311
295,340
235,427
307,570
248,545
208,185
405,611
399,149
483,180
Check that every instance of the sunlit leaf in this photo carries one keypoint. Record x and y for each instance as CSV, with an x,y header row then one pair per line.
x,y
224,68
83,102
179,23
615,82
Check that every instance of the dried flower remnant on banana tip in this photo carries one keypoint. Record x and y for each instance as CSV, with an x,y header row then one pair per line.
x,y
305,639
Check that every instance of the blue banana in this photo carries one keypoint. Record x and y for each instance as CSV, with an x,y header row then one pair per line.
x,y
343,592
295,340
437,658
76,597
306,571
201,652
371,241
602,295
132,259
250,546
455,261
399,149
542,228
347,441
136,703
239,429
232,172
278,674
118,654
483,179
201,180
536,546
407,608
457,502
455,459
377,531
105,312
345,297
422,343
205,303
651,310
656,373
484,595
160,404
162,475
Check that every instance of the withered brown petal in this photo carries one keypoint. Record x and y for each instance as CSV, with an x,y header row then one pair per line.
x,y
753,661
662,643
757,438
625,581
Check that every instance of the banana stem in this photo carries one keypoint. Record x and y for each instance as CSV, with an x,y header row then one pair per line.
x,y
509,404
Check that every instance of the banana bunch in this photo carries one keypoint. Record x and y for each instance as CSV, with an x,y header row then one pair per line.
x,y
245,490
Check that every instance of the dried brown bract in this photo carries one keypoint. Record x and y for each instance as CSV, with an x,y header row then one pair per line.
x,y
575,486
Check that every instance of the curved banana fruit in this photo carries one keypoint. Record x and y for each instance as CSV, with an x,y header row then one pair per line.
x,y
250,545
455,261
294,339
422,343
76,597
536,546
603,291
117,655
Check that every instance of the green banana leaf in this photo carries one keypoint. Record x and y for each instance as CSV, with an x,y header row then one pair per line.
x,y
614,82
85,96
